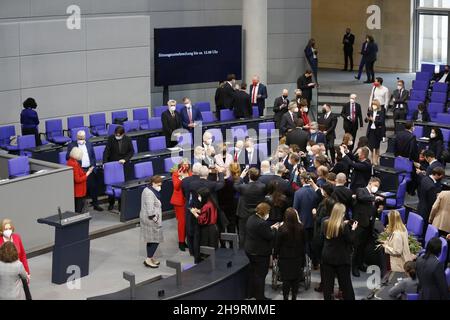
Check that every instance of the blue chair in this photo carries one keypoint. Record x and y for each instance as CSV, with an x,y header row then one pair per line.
x,y
112,128
447,276
6,133
440,87
239,132
26,142
75,122
438,97
426,67
157,111
399,200
444,251
132,125
412,106
403,164
434,108
255,112
141,115
157,143
74,131
122,114
432,232
418,131
135,147
97,123
62,157
414,225
208,117
424,76
98,150
143,170
226,115
417,95
185,140
203,106
267,126
179,106
54,132
446,134
154,123
171,162
412,296
18,167
385,215
113,173
443,118
216,135
420,85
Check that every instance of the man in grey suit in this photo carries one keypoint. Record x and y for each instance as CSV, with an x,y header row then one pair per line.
x,y
289,119
251,194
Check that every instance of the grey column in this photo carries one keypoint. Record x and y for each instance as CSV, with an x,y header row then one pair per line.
x,y
254,21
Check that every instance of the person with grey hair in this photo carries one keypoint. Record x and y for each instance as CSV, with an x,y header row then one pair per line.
x,y
87,161
352,115
171,121
315,135
289,119
79,177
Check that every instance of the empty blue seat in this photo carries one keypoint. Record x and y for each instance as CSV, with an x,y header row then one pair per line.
x,y
75,122
440,87
18,167
438,97
443,118
226,115
141,115
98,150
132,125
6,133
414,225
427,67
26,142
157,111
412,106
113,174
54,132
208,117
122,114
424,76
431,233
203,106
97,123
62,157
434,108
444,251
154,123
143,170
420,85
417,95
157,143
399,199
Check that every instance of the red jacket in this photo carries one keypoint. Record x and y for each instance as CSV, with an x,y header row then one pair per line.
x,y
20,250
304,117
79,177
177,195
208,214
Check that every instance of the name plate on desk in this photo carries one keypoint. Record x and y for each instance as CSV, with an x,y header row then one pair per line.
x,y
76,218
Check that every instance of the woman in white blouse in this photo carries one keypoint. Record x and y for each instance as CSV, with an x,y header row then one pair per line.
x,y
375,129
223,158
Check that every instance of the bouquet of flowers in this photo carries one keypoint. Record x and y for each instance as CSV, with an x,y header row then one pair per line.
x,y
414,246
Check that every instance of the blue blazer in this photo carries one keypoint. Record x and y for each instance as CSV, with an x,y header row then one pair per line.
x,y
196,116
262,90
305,200
318,137
89,148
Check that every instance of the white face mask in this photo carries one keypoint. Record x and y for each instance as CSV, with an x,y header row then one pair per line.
x,y
305,110
119,137
188,105
308,148
209,141
313,131
350,143
266,217
81,142
374,189
199,198
352,100
173,108
7,233
157,188
399,88
432,135
310,153
295,110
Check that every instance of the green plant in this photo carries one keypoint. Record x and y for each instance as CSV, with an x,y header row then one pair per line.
x,y
414,246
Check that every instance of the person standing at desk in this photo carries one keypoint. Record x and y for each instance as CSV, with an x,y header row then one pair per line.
x,y
8,234
171,121
406,144
151,220
348,41
11,274
80,177
399,99
218,99
228,91
190,115
258,93
87,162
29,120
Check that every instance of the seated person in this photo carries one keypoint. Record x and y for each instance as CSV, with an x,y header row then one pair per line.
x,y
406,285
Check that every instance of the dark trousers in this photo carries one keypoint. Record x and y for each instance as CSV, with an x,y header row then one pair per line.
x,y
260,110
241,229
342,272
348,56
218,108
361,241
399,114
112,200
35,132
370,71
330,149
151,249
92,187
362,63
79,204
290,286
258,269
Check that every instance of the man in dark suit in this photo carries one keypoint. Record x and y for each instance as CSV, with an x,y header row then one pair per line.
x,y
328,121
190,115
306,84
400,103
348,41
289,119
305,200
171,121
191,202
364,212
242,104
228,92
88,161
251,156
315,135
251,194
421,115
362,169
430,157
258,93
218,98
352,115
298,136
279,171
443,76
429,187
370,50
406,144
341,193
280,107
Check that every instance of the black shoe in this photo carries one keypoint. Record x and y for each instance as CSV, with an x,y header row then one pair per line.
x,y
367,81
110,207
98,208
356,78
182,246
355,272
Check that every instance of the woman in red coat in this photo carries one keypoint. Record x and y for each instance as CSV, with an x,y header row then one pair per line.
x,y
8,234
79,177
178,201
303,114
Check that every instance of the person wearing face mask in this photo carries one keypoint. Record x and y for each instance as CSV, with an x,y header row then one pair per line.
x,y
171,121
88,160
8,234
400,103
375,130
190,115
436,142
251,154
258,248
280,107
370,50
443,76
348,41
209,159
364,212
379,93
242,103
223,159
258,93
328,122
151,220
306,84
118,147
80,177
298,136
352,115
238,155
303,114
406,144
315,135
289,119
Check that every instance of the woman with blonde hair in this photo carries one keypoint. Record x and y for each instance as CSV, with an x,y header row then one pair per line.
x,y
375,129
338,237
8,234
397,245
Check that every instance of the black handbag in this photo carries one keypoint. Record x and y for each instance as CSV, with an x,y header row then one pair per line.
x,y
26,288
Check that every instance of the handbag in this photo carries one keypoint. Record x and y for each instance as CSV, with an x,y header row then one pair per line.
x,y
26,288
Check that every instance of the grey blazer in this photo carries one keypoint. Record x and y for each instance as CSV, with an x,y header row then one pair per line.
x,y
405,286
151,231
11,287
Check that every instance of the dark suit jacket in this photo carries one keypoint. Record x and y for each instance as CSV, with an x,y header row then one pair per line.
x,y
343,195
278,112
258,237
200,183
432,282
283,184
406,145
196,116
299,137
370,52
430,168
439,75
290,249
362,171
242,104
348,45
379,124
337,251
287,123
90,150
228,95
218,98
425,116
330,126
364,209
167,128
427,193
112,152
347,112
251,195
437,146
306,199
400,101
262,90
302,84
318,137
